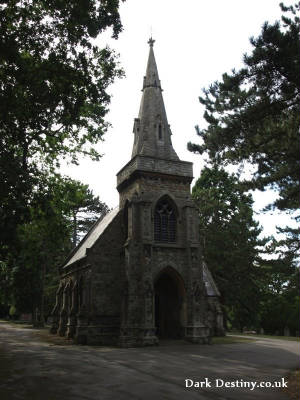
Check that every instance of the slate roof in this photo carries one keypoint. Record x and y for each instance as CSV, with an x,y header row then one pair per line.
x,y
211,287
91,237
96,231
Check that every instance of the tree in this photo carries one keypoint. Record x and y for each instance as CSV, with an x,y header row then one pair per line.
x,y
81,206
53,93
230,243
280,302
45,239
44,242
253,113
279,308
53,79
5,288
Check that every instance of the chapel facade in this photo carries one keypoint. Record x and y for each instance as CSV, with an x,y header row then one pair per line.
x,y
138,276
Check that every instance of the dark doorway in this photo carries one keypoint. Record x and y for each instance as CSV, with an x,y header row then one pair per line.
x,y
169,305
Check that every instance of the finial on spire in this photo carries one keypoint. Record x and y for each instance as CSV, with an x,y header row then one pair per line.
x,y
151,42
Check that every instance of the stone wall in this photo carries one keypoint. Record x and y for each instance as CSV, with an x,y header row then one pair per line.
x,y
155,165
146,191
108,296
107,288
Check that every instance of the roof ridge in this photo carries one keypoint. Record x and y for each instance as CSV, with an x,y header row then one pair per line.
x,y
87,235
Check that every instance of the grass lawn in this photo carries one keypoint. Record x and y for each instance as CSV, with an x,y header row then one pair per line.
x,y
249,335
230,340
23,324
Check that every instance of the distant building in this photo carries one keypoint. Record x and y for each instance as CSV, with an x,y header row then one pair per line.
x,y
138,275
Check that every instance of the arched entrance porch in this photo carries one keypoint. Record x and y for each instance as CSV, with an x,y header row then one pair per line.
x,y
170,304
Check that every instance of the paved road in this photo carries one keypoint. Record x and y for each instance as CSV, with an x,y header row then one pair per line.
x,y
32,368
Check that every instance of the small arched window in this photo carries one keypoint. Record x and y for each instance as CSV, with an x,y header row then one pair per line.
x,y
164,222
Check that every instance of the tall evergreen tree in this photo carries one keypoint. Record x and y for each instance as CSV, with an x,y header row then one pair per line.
x,y
279,306
82,207
280,303
253,119
253,114
230,243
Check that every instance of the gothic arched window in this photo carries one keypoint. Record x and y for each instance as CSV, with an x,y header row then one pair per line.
x,y
164,222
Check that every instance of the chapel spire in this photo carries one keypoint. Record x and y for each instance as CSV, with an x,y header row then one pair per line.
x,y
151,128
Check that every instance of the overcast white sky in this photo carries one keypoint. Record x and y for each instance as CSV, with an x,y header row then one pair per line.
x,y
196,42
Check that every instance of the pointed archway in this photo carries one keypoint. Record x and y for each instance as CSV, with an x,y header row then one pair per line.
x,y
170,304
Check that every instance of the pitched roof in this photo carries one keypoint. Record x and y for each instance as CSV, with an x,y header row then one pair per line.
x,y
211,287
97,230
91,237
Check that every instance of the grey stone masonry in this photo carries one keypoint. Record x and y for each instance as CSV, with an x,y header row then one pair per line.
x,y
158,165
139,276
152,132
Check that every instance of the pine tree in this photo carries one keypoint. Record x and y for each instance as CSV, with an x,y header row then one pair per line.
x,y
230,243
253,114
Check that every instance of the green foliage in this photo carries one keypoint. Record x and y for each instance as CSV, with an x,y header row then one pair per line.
x,y
252,120
12,311
255,292
82,207
5,284
253,113
53,78
230,242
45,239
53,104
280,301
53,94
279,311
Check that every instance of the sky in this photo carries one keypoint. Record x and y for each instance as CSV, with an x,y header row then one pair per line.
x,y
196,41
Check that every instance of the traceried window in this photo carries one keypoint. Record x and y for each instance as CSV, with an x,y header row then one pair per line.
x,y
164,222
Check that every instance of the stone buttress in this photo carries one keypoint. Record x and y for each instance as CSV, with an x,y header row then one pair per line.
x,y
138,276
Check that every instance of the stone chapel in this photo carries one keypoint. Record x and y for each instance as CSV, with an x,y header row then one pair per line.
x,y
138,276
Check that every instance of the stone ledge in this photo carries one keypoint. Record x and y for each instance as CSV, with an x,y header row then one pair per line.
x,y
151,164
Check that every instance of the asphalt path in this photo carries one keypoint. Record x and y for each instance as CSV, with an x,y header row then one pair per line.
x,y
34,368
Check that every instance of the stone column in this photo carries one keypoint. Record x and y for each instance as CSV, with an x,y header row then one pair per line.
x,y
129,332
64,312
148,332
133,329
219,330
71,326
56,310
81,336
196,330
138,329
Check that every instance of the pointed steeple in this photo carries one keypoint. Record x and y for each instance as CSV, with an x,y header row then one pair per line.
x,y
152,133
153,156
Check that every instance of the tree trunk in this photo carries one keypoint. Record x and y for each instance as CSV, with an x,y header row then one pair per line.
x,y
74,229
42,307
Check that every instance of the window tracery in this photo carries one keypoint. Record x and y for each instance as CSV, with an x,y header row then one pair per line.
x,y
164,222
